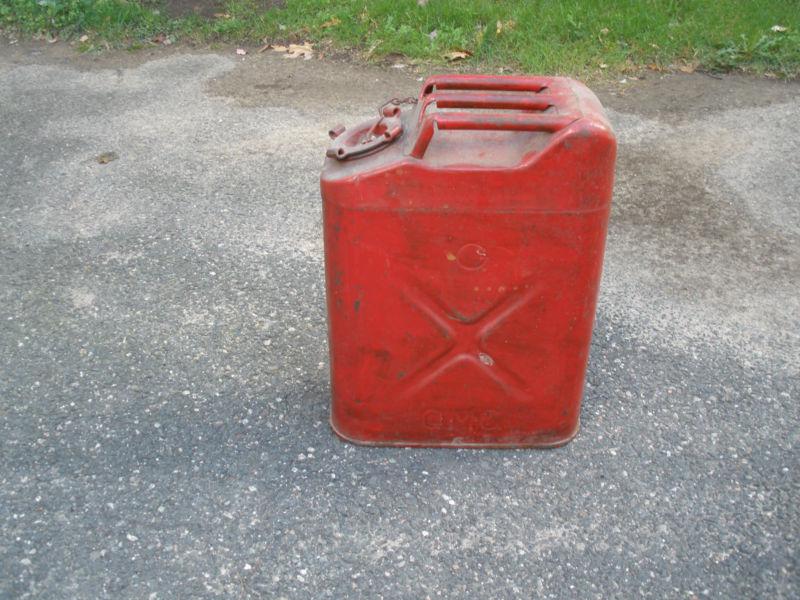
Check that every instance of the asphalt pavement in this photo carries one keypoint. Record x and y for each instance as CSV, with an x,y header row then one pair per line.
x,y
163,358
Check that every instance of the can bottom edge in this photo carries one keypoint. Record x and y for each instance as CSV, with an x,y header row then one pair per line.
x,y
455,444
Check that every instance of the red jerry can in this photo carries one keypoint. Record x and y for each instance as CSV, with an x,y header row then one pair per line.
x,y
464,237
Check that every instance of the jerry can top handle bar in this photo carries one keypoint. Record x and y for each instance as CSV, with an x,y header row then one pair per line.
x,y
484,100
485,122
505,83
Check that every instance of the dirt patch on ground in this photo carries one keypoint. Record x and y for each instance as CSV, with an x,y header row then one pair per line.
x,y
63,53
267,79
685,147
670,207
674,98
683,97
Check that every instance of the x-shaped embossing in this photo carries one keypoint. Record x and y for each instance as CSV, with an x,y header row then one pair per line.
x,y
466,339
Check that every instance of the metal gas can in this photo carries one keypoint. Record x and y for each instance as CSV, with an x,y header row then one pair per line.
x,y
464,235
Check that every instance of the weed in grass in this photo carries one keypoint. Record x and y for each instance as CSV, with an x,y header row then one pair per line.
x,y
776,51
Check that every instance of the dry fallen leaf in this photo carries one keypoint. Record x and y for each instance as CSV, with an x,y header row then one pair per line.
x,y
84,38
278,48
241,51
603,66
604,31
422,2
222,16
778,28
457,55
331,23
297,50
106,157
687,68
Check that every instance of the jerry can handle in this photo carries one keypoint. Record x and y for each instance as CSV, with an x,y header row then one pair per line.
x,y
485,122
504,83
484,100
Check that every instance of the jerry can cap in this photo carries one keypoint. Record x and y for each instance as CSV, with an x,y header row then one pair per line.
x,y
371,136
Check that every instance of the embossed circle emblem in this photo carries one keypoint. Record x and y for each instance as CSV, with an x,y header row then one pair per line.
x,y
471,256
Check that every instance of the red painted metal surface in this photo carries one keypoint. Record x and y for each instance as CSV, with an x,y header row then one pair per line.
x,y
463,251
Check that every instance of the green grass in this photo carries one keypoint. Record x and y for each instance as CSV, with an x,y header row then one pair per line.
x,y
113,20
547,36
